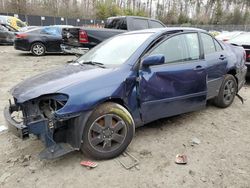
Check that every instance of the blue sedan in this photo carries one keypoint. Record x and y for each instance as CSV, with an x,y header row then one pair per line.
x,y
95,103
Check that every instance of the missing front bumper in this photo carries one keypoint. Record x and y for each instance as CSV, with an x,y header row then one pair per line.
x,y
39,128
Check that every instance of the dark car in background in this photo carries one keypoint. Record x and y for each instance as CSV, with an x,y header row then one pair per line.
x,y
40,40
243,40
95,103
7,34
80,39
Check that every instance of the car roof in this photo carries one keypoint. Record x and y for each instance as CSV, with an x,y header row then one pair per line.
x,y
139,17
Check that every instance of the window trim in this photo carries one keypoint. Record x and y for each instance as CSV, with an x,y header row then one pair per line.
x,y
222,49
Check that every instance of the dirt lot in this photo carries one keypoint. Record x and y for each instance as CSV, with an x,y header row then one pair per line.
x,y
221,159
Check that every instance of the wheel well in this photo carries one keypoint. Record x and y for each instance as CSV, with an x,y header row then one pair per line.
x,y
233,72
118,101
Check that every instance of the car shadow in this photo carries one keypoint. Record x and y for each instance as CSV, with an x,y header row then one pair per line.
x,y
6,44
47,54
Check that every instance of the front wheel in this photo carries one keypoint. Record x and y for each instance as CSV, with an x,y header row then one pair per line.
x,y
108,132
227,92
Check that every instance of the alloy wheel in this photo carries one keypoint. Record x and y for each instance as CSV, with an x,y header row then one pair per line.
x,y
107,133
38,49
229,91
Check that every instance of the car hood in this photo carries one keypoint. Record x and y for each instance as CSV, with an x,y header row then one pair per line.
x,y
55,80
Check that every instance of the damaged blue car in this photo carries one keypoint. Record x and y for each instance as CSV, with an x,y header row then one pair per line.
x,y
95,103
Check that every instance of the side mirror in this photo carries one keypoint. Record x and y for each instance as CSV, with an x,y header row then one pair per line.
x,y
153,60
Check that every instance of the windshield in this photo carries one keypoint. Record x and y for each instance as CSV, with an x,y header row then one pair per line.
x,y
115,50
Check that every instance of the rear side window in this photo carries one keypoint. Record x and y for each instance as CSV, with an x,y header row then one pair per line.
x,y
180,48
218,46
155,24
50,31
140,24
208,44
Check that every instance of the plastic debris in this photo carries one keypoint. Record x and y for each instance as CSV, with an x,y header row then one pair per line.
x,y
3,128
89,164
4,177
195,141
181,159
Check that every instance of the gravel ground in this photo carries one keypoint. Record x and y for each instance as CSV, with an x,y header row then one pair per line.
x,y
221,159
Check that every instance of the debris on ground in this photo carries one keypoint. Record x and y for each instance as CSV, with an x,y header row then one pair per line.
x,y
25,158
89,164
128,161
203,179
181,159
3,128
191,172
195,141
241,98
4,177
32,169
146,153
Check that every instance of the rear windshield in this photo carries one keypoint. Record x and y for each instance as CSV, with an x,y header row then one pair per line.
x,y
118,23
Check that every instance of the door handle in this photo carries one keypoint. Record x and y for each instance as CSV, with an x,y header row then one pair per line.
x,y
198,67
222,57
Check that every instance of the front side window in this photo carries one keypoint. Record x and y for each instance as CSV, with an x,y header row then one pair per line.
x,y
180,48
208,44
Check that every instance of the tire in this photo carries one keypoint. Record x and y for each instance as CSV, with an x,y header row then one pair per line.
x,y
108,131
227,92
38,49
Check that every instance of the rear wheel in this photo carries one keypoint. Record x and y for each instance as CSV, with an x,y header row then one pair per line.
x,y
108,131
227,92
38,49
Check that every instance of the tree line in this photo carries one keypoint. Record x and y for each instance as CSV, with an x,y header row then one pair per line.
x,y
168,11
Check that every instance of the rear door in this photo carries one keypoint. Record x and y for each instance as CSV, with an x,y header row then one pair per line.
x,y
179,85
216,63
52,38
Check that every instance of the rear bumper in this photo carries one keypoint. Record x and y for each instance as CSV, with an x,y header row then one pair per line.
x,y
74,50
21,44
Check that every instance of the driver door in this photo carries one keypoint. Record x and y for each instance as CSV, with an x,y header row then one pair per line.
x,y
179,85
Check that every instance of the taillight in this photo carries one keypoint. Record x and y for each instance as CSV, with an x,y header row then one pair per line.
x,y
83,37
21,36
